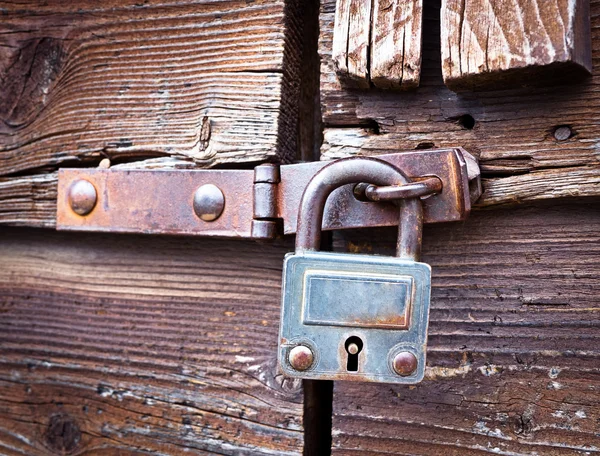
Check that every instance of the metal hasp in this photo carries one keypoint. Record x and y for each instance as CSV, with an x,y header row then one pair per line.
x,y
355,317
261,203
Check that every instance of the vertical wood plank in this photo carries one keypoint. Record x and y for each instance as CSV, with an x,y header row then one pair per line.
x,y
396,44
495,43
352,30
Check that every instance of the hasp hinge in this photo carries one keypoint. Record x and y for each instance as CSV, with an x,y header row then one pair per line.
x,y
261,203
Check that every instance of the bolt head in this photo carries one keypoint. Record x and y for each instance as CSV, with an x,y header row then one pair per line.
x,y
82,197
301,357
209,202
405,363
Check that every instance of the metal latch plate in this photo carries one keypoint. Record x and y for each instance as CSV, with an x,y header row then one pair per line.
x,y
161,201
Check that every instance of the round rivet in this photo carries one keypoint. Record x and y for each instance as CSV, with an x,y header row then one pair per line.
x,y
301,357
209,202
405,363
82,197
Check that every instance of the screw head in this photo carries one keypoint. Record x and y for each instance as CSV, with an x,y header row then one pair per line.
x,y
82,197
405,363
301,357
209,202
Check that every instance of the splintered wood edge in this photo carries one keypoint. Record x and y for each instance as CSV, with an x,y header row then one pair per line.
x,y
351,41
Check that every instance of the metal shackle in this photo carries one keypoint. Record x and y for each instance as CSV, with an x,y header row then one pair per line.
x,y
352,171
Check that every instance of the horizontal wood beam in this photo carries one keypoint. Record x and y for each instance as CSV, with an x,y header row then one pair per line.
x,y
139,345
215,82
31,200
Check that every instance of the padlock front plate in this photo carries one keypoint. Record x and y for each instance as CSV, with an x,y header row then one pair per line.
x,y
333,298
329,298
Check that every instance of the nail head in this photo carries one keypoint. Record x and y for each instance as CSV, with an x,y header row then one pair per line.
x,y
563,133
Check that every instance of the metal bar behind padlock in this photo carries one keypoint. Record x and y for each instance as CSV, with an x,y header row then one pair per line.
x,y
355,317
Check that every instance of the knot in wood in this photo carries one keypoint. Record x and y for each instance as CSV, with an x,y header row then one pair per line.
x,y
63,435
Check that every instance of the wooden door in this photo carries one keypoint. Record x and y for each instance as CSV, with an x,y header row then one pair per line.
x,y
139,344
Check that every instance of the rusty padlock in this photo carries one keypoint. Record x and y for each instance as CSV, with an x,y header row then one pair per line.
x,y
355,317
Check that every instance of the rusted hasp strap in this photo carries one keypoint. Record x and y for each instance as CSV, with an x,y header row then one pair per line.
x,y
260,203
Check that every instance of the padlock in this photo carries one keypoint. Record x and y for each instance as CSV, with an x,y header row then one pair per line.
x,y
349,316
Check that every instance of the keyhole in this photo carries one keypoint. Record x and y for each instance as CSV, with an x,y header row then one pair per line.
x,y
353,346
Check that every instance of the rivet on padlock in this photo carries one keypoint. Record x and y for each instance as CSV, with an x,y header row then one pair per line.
x,y
355,317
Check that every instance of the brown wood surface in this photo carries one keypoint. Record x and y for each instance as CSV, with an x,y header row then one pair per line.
x,y
523,153
351,43
116,344
495,43
396,44
378,42
215,82
514,342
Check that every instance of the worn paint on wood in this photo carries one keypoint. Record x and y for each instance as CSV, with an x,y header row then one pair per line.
x,y
378,42
494,43
536,143
514,342
142,345
216,82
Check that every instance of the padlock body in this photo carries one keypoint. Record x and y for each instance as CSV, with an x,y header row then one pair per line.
x,y
331,298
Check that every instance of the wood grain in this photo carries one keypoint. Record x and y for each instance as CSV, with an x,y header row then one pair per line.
x,y
396,44
512,132
494,43
216,82
352,33
142,345
378,42
513,355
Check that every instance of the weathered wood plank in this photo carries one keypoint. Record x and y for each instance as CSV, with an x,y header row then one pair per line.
x,y
378,42
396,44
216,82
514,342
512,132
494,43
142,345
352,32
